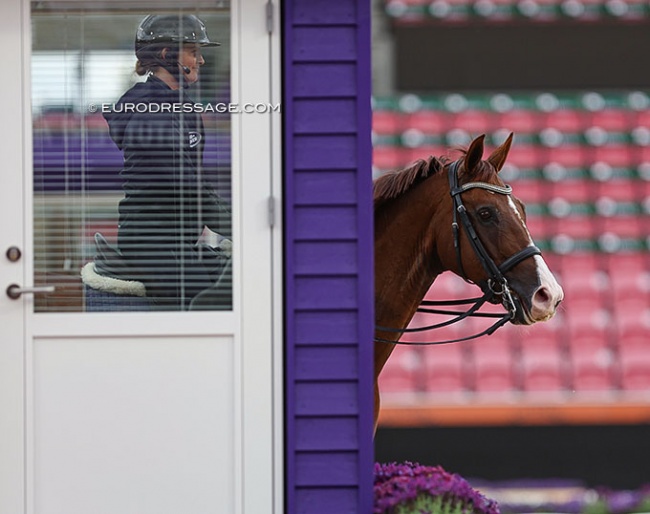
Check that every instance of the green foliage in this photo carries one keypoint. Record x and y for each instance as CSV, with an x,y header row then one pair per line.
x,y
428,504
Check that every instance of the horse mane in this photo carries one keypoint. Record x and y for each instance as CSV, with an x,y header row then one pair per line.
x,y
397,182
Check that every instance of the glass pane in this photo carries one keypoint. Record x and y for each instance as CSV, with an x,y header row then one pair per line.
x,y
132,179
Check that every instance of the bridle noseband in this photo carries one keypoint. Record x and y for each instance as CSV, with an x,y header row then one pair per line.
x,y
496,284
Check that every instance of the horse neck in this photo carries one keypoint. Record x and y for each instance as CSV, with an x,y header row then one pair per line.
x,y
406,259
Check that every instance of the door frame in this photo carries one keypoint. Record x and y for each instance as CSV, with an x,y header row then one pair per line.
x,y
256,286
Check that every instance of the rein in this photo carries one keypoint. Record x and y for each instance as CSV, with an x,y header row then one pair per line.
x,y
496,284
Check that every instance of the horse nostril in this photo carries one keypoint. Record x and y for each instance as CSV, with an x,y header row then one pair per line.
x,y
542,296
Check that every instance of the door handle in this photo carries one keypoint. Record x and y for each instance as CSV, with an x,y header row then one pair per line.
x,y
14,291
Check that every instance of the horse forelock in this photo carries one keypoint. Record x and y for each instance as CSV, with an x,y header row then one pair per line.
x,y
395,183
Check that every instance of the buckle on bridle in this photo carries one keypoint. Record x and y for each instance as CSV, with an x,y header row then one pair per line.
x,y
504,291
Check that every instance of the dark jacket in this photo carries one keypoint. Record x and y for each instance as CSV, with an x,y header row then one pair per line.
x,y
166,203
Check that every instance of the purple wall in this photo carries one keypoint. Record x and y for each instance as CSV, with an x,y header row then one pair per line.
x,y
328,254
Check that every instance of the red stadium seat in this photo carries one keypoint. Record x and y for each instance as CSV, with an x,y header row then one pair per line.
x,y
578,261
620,265
585,335
387,122
631,308
577,264
493,358
615,120
387,158
570,156
592,357
567,120
635,366
474,121
632,321
619,190
403,372
643,153
573,191
625,227
642,118
528,191
541,227
422,152
584,279
554,261
446,367
629,275
585,290
588,322
592,369
542,369
577,227
526,156
615,155
521,121
429,122
541,357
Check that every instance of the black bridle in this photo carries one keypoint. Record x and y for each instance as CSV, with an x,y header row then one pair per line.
x,y
494,287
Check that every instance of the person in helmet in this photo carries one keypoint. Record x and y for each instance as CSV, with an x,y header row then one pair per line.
x,y
168,46
167,205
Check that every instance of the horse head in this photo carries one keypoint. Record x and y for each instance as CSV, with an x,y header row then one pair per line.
x,y
496,221
437,215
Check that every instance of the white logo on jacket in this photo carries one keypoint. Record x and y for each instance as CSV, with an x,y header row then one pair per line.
x,y
195,138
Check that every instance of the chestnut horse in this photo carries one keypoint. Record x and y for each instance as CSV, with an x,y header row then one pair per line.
x,y
418,236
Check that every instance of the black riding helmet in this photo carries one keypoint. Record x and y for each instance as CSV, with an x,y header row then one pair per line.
x,y
171,28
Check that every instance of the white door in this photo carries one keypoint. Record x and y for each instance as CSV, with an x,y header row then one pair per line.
x,y
120,412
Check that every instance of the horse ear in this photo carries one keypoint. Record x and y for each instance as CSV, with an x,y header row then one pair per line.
x,y
474,153
498,157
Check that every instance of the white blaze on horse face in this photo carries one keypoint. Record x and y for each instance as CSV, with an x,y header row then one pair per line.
x,y
549,293
512,205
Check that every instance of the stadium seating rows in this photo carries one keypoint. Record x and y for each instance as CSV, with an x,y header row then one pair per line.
x,y
418,11
588,205
598,342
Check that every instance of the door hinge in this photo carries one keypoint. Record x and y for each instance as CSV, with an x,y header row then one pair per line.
x,y
269,17
272,211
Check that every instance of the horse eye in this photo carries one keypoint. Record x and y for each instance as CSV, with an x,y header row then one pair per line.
x,y
485,214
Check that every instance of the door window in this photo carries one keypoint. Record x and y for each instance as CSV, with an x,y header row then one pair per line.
x,y
131,157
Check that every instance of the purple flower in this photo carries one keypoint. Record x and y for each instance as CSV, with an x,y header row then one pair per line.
x,y
622,502
399,485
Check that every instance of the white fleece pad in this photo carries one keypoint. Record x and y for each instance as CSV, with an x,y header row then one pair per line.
x,y
111,285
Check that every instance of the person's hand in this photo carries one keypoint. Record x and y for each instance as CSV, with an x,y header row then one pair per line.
x,y
215,240
225,245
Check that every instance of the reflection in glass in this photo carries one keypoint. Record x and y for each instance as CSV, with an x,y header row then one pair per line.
x,y
143,208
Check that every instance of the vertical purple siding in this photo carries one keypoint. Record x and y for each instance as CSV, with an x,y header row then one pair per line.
x,y
328,249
